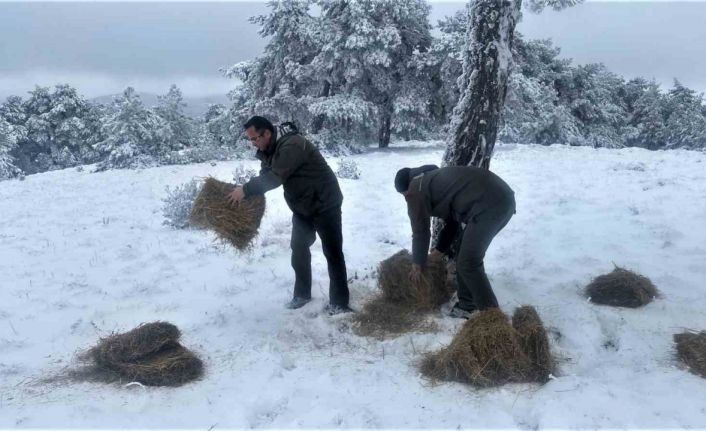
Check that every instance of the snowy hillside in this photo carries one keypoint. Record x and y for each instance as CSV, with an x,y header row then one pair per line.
x,y
84,254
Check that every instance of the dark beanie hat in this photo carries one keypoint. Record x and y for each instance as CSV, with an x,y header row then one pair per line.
x,y
402,180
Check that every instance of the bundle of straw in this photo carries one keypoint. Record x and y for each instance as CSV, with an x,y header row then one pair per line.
x,y
236,224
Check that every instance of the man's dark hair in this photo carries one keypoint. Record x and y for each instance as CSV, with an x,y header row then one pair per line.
x,y
402,180
260,124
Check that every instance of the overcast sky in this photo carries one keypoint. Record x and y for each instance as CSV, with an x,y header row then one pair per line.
x,y
101,48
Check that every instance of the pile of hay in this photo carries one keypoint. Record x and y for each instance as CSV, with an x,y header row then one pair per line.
x,y
149,354
621,288
534,341
490,351
235,224
401,305
691,348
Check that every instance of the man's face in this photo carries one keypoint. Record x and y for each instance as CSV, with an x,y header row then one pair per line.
x,y
259,140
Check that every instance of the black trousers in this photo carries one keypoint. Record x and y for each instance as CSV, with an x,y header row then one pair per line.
x,y
304,229
474,290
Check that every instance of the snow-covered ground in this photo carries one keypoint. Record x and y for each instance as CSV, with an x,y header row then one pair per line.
x,y
84,254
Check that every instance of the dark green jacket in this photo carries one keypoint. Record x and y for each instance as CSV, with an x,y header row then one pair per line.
x,y
310,186
455,194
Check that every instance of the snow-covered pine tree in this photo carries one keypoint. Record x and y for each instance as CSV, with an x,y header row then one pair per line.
x,y
368,51
685,122
593,94
219,127
486,68
275,83
446,55
171,108
134,135
8,141
644,103
13,114
60,128
532,112
487,62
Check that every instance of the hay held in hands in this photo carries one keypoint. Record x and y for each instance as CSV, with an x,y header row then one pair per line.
x,y
691,348
489,351
430,293
401,305
237,224
149,354
621,288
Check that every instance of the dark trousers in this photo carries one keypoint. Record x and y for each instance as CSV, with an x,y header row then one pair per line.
x,y
304,229
474,290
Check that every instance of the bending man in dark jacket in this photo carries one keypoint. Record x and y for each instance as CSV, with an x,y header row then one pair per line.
x,y
312,193
468,198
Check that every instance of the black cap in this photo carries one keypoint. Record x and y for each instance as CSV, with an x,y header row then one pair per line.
x,y
402,180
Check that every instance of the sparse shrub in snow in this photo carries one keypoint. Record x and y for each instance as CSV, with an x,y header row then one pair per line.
x,y
178,203
348,169
242,175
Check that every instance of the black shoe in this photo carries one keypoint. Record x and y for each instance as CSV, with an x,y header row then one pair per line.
x,y
333,310
297,302
462,313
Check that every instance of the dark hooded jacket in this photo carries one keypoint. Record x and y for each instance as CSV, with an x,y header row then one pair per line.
x,y
455,194
310,186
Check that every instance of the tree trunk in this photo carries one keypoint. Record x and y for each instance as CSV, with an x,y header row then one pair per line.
x,y
318,122
385,126
486,68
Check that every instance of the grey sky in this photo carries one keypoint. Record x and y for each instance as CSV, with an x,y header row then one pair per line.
x,y
102,47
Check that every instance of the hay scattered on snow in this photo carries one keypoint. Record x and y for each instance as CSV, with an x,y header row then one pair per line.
x,y
489,351
621,288
235,224
401,305
381,319
691,348
149,354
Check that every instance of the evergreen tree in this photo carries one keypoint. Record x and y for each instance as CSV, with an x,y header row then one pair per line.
x,y
8,141
644,103
592,93
685,122
486,68
369,53
59,128
134,135
274,84
171,108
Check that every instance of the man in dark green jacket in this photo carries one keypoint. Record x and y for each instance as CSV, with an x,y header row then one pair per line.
x,y
312,193
471,200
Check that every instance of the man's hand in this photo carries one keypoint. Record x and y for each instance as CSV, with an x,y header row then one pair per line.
x,y
415,274
235,196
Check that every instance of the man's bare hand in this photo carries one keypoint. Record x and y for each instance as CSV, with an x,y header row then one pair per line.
x,y
236,196
415,274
